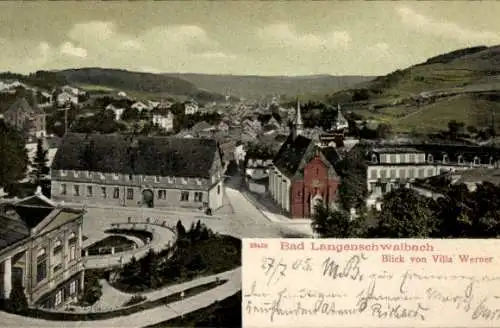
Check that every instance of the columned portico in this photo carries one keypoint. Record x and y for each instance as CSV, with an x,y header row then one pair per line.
x,y
7,277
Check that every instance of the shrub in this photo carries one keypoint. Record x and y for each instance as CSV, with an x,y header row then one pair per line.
x,y
92,290
17,301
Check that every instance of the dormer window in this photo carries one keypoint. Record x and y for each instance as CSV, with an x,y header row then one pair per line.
x,y
445,158
184,180
460,159
63,173
157,179
115,176
491,161
198,181
130,177
89,174
477,161
75,174
374,159
102,176
430,158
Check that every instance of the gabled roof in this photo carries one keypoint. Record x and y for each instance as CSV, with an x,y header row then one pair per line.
x,y
37,200
291,154
142,155
22,105
12,227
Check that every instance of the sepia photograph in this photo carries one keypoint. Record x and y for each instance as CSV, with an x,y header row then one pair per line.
x,y
249,164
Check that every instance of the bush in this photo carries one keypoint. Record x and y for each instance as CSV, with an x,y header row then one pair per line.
x,y
92,290
17,301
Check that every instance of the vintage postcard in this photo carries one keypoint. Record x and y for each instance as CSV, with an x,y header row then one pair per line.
x,y
143,142
371,283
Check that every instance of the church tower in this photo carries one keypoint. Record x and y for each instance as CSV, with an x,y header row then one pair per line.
x,y
298,125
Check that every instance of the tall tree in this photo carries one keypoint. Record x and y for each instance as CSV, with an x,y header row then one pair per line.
x,y
405,214
40,167
333,223
352,189
13,156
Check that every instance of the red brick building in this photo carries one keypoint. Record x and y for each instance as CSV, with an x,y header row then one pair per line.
x,y
303,174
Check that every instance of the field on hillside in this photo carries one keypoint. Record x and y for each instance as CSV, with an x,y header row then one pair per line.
x,y
472,109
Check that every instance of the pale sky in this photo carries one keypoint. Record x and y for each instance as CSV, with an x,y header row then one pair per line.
x,y
248,37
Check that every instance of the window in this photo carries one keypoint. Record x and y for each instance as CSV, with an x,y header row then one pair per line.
x,y
393,173
75,174
460,159
89,174
383,158
374,158
373,174
130,193
102,176
299,193
103,192
72,287
59,297
445,158
57,267
184,196
430,158
383,174
317,172
41,265
491,160
76,190
63,173
157,179
393,158
477,161
198,181
411,173
116,193
198,197
184,180
421,173
72,246
412,158
218,190
63,189
402,173
430,172
162,194
130,177
89,191
57,247
115,176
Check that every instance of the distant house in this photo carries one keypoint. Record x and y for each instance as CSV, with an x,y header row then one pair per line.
x,y
65,98
117,111
140,106
257,168
26,118
122,94
191,107
223,126
152,104
164,119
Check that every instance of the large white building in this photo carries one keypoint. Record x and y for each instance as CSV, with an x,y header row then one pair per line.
x,y
138,171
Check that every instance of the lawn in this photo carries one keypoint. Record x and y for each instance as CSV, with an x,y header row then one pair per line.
x,y
222,314
196,252
120,243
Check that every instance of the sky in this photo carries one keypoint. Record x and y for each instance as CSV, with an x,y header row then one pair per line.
x,y
247,37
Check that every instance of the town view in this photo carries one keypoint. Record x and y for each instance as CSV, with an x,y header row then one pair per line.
x,y
141,141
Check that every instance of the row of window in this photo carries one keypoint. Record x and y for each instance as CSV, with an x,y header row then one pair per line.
x,y
130,177
42,258
59,295
405,173
162,193
420,158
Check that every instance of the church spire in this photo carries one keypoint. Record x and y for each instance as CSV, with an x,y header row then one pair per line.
x,y
298,124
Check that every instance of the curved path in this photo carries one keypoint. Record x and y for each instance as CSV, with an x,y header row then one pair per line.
x,y
162,238
246,221
147,317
